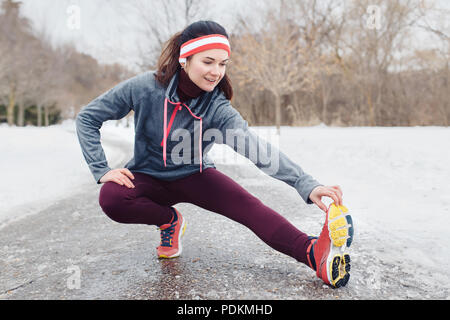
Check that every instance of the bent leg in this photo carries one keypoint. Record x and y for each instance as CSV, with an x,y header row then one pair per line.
x,y
214,191
147,203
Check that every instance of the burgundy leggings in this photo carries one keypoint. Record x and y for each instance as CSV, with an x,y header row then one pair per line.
x,y
149,203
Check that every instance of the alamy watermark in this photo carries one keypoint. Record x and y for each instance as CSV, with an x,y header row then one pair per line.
x,y
373,20
74,280
247,143
73,17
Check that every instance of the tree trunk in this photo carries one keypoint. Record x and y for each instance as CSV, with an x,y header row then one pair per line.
x,y
21,115
293,111
443,105
370,105
46,120
325,93
277,112
11,104
39,115
254,113
377,107
324,107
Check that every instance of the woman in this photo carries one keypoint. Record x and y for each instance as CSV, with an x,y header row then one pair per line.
x,y
192,88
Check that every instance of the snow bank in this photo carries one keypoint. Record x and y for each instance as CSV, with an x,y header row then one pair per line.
x,y
42,165
395,180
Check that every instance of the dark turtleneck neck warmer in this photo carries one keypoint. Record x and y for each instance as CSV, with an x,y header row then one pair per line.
x,y
187,89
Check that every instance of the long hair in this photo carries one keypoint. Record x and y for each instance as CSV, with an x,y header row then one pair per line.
x,y
168,63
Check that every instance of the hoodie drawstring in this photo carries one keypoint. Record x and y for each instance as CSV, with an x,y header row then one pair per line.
x,y
178,106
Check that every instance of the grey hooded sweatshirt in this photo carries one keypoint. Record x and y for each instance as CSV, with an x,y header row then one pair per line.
x,y
190,131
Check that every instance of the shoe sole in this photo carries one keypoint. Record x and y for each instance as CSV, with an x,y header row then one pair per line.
x,y
180,249
341,231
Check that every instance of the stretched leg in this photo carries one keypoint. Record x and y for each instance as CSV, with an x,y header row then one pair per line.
x,y
214,191
148,203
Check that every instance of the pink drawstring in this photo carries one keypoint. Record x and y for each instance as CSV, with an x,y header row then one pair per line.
x,y
167,129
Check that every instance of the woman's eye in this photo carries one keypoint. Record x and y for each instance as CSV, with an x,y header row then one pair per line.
x,y
222,64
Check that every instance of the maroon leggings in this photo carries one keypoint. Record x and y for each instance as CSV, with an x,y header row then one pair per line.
x,y
149,203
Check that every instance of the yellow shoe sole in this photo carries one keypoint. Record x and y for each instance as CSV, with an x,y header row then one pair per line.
x,y
340,268
341,231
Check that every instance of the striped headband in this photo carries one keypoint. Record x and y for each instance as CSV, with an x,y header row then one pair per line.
x,y
211,41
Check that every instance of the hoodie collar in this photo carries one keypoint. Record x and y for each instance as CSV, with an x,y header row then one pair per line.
x,y
186,88
172,95
171,91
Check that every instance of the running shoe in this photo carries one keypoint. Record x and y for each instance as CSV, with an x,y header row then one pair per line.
x,y
171,233
327,254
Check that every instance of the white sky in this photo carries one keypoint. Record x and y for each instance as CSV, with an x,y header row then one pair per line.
x,y
106,31
104,26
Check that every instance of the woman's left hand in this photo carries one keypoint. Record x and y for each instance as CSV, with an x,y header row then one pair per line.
x,y
334,192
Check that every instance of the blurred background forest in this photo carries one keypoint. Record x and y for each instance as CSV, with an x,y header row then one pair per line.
x,y
293,63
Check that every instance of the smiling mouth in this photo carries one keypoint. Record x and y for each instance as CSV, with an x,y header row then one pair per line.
x,y
210,80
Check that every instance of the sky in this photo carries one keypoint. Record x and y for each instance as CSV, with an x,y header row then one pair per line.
x,y
107,31
104,27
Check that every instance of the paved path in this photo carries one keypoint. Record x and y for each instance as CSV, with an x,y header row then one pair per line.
x,y
71,250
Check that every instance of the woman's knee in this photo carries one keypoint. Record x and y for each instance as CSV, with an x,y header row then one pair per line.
x,y
111,199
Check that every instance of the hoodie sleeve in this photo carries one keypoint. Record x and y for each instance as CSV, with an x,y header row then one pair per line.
x,y
111,105
266,157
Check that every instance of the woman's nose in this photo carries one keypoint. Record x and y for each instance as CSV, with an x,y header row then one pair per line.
x,y
215,71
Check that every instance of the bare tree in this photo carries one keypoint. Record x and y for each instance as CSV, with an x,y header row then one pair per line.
x,y
373,45
435,61
14,34
275,60
321,26
155,21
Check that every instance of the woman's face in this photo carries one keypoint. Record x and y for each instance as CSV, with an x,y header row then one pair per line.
x,y
207,65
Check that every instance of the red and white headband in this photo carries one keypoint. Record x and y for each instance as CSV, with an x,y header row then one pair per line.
x,y
211,41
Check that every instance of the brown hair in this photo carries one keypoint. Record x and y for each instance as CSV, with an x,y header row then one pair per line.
x,y
168,63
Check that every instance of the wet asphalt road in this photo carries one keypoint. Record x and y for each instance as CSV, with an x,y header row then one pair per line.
x,y
72,250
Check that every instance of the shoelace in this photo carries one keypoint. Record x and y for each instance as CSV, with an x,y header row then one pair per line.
x,y
167,231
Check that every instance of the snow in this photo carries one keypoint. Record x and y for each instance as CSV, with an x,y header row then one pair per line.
x,y
395,182
395,179
42,165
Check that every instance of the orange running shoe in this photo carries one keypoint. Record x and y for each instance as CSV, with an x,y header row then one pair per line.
x,y
327,254
171,233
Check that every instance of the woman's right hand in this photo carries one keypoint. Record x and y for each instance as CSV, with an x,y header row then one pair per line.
x,y
120,176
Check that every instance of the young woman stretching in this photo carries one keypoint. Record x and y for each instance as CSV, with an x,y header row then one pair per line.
x,y
190,94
